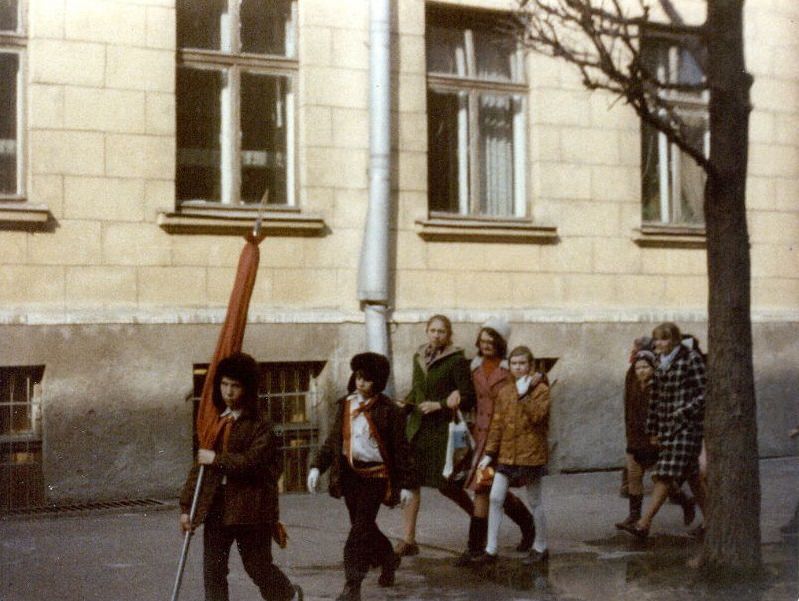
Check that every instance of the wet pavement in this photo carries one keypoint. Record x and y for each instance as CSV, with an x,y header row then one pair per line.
x,y
133,556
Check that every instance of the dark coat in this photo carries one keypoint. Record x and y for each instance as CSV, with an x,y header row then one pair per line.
x,y
428,433
486,388
636,408
252,465
676,414
389,421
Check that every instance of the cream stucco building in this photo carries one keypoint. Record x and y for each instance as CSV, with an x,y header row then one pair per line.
x,y
137,138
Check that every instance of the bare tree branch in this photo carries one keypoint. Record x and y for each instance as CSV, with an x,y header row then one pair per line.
x,y
603,41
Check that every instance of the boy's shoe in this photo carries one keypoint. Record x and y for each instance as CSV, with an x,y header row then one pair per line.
x,y
484,559
351,592
536,557
628,521
406,549
298,594
386,577
698,532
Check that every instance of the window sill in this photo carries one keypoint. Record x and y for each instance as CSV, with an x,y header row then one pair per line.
x,y
485,230
18,214
670,236
239,221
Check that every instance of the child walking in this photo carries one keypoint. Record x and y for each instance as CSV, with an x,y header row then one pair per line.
x,y
517,443
370,464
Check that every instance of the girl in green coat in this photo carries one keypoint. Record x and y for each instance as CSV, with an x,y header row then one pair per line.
x,y
441,383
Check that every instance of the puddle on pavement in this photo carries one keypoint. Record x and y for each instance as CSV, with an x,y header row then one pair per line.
x,y
620,569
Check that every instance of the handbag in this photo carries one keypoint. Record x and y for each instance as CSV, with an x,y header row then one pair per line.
x,y
460,449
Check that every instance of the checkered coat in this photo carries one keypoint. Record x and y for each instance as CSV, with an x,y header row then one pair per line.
x,y
676,414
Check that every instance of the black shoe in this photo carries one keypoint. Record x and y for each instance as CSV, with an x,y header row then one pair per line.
x,y
639,533
351,592
484,559
298,594
386,577
466,559
536,557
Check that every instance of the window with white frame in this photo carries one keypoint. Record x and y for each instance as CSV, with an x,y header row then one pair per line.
x,y
476,105
672,182
235,87
12,49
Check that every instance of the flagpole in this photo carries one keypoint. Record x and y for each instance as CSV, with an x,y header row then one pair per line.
x,y
256,232
187,537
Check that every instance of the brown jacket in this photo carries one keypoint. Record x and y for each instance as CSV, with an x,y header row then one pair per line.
x,y
252,465
518,434
389,421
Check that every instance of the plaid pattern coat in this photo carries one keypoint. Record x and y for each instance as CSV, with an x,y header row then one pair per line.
x,y
676,414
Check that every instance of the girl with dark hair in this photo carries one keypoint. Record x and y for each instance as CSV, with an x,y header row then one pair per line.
x,y
441,383
489,374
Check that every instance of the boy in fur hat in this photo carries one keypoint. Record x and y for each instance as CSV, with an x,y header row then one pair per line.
x,y
238,500
370,464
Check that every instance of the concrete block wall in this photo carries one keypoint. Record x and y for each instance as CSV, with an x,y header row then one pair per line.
x,y
101,132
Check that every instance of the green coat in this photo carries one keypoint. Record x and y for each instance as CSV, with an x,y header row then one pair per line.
x,y
428,433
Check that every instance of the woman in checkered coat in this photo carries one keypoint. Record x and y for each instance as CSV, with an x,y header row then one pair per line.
x,y
674,421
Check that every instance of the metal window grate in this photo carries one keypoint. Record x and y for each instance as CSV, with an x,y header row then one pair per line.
x,y
288,394
69,508
21,475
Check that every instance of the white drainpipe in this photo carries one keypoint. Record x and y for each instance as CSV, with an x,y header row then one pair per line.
x,y
373,271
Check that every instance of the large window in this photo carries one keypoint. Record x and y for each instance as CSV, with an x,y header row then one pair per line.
x,y
673,184
236,80
12,46
476,102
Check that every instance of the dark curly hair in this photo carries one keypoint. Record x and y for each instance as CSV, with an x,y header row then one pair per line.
x,y
500,344
242,368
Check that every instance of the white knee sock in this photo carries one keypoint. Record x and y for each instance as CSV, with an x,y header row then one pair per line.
x,y
499,490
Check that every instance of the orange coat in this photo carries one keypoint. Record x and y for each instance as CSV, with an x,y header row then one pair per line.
x,y
486,388
518,433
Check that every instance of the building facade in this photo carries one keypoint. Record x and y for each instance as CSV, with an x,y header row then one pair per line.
x,y
138,139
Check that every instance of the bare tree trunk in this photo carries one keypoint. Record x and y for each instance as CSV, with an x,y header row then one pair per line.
x,y
732,540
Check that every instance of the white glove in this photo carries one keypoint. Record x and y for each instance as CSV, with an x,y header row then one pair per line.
x,y
484,462
205,456
405,497
313,479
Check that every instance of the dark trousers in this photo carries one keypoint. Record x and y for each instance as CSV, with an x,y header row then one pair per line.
x,y
254,543
366,546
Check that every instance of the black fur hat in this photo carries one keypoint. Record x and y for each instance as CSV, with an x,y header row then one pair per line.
x,y
373,366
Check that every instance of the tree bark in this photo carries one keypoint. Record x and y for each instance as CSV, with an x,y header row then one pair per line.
x,y
732,539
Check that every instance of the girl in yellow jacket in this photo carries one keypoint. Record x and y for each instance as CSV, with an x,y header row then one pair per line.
x,y
517,444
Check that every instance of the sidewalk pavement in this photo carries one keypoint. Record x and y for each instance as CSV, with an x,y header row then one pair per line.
x,y
133,556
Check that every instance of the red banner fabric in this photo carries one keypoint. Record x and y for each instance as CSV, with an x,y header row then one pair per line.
x,y
230,338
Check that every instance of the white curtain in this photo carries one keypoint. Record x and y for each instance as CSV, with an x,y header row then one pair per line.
x,y
496,155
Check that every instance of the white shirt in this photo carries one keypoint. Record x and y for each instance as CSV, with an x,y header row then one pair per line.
x,y
363,446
